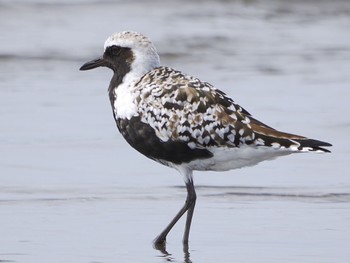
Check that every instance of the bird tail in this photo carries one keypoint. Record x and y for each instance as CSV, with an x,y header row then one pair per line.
x,y
307,145
271,137
292,142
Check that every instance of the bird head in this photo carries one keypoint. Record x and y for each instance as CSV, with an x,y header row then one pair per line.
x,y
126,52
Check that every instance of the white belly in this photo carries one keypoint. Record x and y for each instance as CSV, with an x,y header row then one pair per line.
x,y
233,158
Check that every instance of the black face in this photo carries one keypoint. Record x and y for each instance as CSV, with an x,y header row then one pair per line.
x,y
117,58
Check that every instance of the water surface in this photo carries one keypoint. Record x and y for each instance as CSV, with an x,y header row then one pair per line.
x,y
73,191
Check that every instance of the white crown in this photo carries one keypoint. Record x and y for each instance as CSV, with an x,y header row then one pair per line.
x,y
145,54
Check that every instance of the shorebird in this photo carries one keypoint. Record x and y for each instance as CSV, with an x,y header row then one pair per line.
x,y
183,122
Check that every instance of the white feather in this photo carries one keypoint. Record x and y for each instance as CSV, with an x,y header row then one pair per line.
x,y
145,59
226,158
145,54
124,104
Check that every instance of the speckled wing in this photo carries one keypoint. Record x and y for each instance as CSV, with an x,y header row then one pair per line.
x,y
184,109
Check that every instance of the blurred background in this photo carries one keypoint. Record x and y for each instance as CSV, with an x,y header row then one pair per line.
x,y
71,189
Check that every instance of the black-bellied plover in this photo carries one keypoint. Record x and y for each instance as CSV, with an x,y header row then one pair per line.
x,y
183,122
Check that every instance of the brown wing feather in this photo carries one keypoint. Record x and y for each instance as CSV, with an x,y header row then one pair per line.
x,y
270,135
199,115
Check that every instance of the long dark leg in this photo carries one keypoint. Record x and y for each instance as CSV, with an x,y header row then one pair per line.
x,y
191,199
189,207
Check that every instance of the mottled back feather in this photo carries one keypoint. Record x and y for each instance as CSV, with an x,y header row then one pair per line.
x,y
182,108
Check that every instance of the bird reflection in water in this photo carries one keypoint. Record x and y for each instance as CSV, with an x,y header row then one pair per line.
x,y
169,257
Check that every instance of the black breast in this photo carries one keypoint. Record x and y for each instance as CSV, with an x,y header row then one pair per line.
x,y
143,138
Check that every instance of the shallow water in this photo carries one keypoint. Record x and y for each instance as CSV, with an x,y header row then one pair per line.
x,y
73,191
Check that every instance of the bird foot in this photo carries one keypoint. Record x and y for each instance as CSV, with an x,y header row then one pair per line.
x,y
159,243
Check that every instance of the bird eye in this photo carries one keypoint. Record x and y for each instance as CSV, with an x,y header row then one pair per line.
x,y
115,50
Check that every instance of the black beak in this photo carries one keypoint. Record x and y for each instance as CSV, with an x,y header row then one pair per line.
x,y
99,62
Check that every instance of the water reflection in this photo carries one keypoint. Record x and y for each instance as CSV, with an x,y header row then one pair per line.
x,y
168,256
186,255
